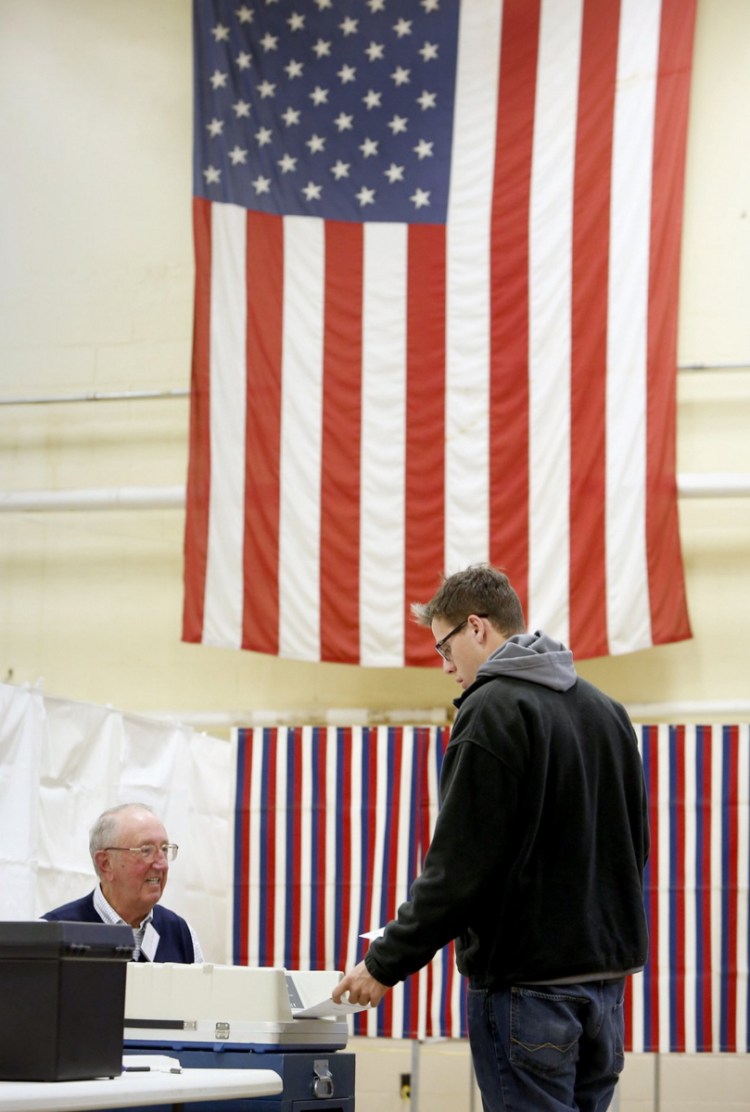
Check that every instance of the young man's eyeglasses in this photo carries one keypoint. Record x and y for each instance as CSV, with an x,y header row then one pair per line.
x,y
442,645
149,852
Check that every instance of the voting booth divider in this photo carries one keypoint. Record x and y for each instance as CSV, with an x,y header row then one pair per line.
x,y
295,842
331,825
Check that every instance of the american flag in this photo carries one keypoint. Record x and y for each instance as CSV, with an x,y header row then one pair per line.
x,y
437,261
331,825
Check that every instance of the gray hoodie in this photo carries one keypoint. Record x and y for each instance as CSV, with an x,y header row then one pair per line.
x,y
534,657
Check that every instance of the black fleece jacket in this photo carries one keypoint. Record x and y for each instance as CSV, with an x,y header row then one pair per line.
x,y
536,863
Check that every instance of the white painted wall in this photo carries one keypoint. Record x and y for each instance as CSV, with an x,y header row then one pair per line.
x,y
95,296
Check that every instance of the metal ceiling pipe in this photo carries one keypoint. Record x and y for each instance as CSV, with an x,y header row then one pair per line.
x,y
725,710
710,485
715,484
728,710
113,498
97,396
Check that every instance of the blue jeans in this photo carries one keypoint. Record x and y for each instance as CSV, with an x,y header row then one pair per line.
x,y
539,1048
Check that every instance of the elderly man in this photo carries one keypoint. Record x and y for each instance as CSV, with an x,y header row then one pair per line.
x,y
131,855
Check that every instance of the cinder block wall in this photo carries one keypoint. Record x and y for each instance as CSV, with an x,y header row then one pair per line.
x,y
445,1080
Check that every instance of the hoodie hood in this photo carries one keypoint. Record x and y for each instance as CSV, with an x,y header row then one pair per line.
x,y
534,657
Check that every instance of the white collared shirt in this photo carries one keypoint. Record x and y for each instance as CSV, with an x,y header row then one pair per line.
x,y
108,914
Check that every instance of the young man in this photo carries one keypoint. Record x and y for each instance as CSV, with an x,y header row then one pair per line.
x,y
131,855
536,863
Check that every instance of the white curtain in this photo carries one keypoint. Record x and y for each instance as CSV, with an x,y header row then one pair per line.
x,y
62,763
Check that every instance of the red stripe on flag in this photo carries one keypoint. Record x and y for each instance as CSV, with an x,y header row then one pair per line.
x,y
669,618
590,292
199,466
342,427
424,496
509,294
430,980
265,277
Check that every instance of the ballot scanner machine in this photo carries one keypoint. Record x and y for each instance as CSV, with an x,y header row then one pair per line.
x,y
236,1017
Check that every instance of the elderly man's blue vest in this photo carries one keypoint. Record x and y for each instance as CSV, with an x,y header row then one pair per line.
x,y
175,940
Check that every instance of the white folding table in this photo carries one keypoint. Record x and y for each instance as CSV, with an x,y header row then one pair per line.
x,y
138,1088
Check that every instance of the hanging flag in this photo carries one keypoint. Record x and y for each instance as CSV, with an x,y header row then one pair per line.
x,y
437,257
331,825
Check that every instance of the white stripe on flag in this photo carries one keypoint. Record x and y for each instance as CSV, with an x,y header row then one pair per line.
x,y
282,850
223,592
356,888
438,982
550,298
254,863
422,1010
467,286
381,764
637,985
408,777
628,612
718,849
383,445
334,804
307,870
301,438
381,815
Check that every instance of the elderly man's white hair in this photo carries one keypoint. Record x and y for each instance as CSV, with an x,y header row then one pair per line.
x,y
105,830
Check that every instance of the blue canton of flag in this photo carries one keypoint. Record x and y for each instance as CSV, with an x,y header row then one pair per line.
x,y
341,109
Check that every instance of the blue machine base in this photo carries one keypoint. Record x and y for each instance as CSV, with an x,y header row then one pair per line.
x,y
297,1070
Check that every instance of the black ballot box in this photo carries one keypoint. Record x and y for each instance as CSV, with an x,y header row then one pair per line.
x,y
62,1000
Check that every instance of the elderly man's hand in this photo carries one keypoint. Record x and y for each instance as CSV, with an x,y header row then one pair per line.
x,y
361,987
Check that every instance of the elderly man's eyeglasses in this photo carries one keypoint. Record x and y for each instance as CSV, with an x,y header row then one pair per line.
x,y
149,852
442,645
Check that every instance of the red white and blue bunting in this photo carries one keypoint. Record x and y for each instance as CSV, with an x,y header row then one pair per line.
x,y
331,825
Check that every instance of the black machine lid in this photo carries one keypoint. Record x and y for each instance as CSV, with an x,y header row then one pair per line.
x,y
40,938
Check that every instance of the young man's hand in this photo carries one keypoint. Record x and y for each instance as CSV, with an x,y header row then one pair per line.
x,y
361,986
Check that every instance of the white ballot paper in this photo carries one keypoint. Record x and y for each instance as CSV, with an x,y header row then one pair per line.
x,y
378,932
150,1063
328,1008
